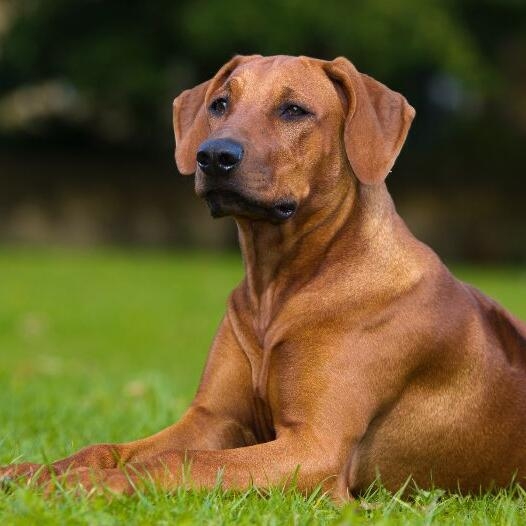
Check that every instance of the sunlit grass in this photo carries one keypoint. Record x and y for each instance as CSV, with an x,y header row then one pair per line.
x,y
109,346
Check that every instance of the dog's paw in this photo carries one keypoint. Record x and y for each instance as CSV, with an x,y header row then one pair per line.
x,y
92,481
17,472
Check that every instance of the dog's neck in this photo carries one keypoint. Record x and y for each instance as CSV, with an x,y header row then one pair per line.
x,y
280,259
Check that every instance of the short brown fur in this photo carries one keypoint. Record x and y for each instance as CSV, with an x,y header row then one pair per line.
x,y
348,350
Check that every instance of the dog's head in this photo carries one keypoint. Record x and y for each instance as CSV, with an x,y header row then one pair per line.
x,y
268,135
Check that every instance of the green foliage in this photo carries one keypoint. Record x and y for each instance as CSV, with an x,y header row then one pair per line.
x,y
108,346
131,58
381,36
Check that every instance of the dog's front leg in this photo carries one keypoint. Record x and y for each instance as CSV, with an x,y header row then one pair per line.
x,y
295,457
220,417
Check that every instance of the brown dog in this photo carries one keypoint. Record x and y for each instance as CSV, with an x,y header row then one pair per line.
x,y
348,350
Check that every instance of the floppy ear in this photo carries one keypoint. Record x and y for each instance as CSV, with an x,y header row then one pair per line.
x,y
190,126
190,119
377,121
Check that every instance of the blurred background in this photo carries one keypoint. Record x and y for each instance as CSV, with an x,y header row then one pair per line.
x,y
86,86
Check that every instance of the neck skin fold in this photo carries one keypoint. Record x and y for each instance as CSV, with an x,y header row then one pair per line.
x,y
280,259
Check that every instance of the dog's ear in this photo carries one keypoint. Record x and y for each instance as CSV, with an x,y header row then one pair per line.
x,y
376,124
190,119
190,126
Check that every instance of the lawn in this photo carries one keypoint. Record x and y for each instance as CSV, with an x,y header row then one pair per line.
x,y
108,346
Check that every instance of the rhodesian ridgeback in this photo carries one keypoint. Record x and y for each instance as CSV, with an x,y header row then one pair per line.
x,y
348,352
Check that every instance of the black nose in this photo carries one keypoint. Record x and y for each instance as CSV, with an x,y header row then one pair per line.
x,y
219,156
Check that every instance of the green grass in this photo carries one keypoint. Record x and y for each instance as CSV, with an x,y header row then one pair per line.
x,y
109,346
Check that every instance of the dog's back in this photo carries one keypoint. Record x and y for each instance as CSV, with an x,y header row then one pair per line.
x,y
506,331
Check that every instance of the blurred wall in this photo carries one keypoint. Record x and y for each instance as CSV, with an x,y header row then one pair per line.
x,y
86,146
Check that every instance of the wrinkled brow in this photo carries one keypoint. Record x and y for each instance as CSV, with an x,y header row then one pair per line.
x,y
234,86
287,93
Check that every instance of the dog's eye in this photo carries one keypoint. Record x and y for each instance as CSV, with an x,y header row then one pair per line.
x,y
219,106
292,111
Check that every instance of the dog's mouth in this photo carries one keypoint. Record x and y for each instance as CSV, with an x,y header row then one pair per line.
x,y
227,202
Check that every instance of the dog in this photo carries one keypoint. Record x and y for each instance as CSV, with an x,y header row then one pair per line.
x,y
348,352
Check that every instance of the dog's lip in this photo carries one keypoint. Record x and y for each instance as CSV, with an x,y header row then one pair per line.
x,y
285,209
218,199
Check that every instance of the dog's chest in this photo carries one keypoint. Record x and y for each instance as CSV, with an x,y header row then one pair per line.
x,y
259,332
259,359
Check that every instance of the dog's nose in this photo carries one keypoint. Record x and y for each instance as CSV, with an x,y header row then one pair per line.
x,y
219,156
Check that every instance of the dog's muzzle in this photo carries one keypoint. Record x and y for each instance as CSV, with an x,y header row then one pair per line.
x,y
224,202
